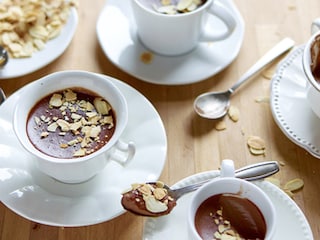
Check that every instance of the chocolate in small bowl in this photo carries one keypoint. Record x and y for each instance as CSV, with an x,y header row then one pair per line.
x,y
315,58
71,123
229,215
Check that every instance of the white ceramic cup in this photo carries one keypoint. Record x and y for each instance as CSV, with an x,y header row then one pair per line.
x,y
180,33
312,86
80,169
227,183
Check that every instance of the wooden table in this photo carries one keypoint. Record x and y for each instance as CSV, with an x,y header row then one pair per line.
x,y
194,145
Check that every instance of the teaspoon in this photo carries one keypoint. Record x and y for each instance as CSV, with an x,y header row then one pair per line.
x,y
251,172
214,105
3,57
2,96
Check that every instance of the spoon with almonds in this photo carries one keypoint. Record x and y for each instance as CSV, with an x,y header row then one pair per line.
x,y
156,199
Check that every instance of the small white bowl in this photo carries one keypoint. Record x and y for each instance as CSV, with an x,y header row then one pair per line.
x,y
80,169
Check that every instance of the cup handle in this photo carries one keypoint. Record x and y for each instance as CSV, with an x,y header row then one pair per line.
x,y
227,168
315,26
123,152
218,10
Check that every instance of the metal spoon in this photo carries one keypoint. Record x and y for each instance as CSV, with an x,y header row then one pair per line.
x,y
4,57
214,105
2,96
251,172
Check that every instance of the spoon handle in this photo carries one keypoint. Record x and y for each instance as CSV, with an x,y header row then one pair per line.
x,y
257,171
251,172
272,54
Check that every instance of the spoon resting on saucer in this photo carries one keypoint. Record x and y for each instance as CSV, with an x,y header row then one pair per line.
x,y
214,105
156,199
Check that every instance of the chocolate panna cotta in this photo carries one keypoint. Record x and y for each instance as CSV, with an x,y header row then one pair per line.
x,y
315,58
70,123
229,216
146,199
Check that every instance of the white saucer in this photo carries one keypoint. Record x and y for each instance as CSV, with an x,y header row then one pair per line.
x,y
291,222
289,105
17,67
116,32
39,198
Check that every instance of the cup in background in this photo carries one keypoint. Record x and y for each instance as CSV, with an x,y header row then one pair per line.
x,y
313,81
228,184
177,34
74,170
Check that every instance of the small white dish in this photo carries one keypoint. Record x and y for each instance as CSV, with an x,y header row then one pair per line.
x,y
37,197
17,67
289,104
291,222
116,31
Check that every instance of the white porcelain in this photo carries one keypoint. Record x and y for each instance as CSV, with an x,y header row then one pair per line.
x,y
39,198
227,183
313,87
291,222
116,31
82,168
54,48
178,34
289,104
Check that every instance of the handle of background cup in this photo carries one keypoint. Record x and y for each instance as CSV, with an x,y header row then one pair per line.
x,y
123,152
315,26
217,9
227,168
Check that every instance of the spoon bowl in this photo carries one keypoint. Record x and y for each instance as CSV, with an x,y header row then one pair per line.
x,y
212,105
215,105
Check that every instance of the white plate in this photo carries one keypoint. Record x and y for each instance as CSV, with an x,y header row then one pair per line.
x,y
291,222
289,105
116,32
39,198
17,67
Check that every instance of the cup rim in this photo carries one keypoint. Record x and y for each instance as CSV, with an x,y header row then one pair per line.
x,y
150,11
51,78
193,206
306,61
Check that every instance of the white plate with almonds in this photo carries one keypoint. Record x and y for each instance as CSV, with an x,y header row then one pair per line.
x,y
39,198
116,31
51,33
291,222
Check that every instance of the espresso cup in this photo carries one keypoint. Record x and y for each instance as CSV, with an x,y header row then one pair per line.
x,y
310,61
82,168
177,34
228,185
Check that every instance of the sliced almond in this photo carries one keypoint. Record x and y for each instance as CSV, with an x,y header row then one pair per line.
x,y
153,205
64,125
294,185
221,125
256,142
56,100
234,113
160,193
183,4
101,106
52,127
